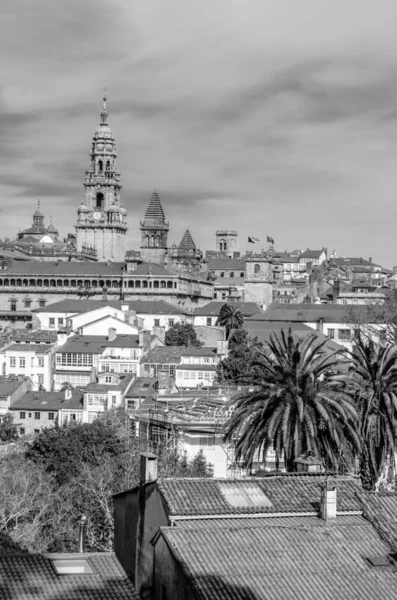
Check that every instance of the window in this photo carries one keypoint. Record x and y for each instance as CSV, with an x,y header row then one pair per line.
x,y
171,322
22,415
60,321
36,430
13,362
51,416
257,269
52,322
242,274
331,333
21,431
30,415
28,303
37,416
200,375
40,379
108,379
157,322
13,306
32,361
114,400
40,361
42,302
231,274
22,363
344,334
186,375
209,321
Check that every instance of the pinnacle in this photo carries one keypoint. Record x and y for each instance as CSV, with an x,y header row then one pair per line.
x,y
186,244
155,210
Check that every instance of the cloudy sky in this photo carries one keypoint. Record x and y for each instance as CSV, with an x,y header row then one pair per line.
x,y
265,116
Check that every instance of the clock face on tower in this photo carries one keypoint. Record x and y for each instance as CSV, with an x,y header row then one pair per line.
x,y
97,216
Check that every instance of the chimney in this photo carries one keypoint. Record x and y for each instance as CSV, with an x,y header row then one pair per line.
x,y
82,528
68,393
112,333
104,294
160,332
328,502
144,340
93,375
370,259
335,290
320,324
148,470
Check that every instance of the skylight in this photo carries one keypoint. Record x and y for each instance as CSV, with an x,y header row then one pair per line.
x,y
71,566
378,561
241,495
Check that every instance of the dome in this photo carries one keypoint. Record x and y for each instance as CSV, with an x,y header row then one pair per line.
x,y
38,213
46,240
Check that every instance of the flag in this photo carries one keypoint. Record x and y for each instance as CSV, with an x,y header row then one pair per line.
x,y
270,240
252,240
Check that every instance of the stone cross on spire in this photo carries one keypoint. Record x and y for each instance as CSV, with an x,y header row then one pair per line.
x,y
104,113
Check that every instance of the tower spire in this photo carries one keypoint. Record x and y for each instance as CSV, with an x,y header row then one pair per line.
x,y
104,113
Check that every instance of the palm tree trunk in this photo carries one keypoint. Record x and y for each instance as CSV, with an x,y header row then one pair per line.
x,y
368,481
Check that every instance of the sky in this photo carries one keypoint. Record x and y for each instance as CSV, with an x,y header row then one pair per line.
x,y
270,117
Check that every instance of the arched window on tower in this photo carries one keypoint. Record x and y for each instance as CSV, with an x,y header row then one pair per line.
x,y
99,200
157,240
222,244
152,240
257,269
100,166
146,241
108,165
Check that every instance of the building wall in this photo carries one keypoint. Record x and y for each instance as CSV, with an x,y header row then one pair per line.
x,y
169,580
211,445
39,375
102,327
108,241
30,424
194,378
259,292
150,320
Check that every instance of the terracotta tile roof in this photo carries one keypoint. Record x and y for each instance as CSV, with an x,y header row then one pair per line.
x,y
152,269
212,309
31,577
381,510
311,254
263,330
190,367
165,355
9,384
60,268
220,263
47,401
289,493
139,306
103,387
302,560
37,348
302,313
34,336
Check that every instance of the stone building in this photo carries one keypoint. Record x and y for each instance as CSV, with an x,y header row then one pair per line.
x,y
101,220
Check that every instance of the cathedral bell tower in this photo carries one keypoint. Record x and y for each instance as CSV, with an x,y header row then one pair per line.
x,y
102,219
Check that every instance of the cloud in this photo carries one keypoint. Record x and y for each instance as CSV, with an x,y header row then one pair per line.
x,y
265,117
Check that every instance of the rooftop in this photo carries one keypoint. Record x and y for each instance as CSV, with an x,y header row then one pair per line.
x,y
32,576
218,263
263,330
285,494
173,354
74,307
95,344
48,401
155,210
37,348
302,313
212,309
37,335
311,254
298,558
61,268
103,387
9,384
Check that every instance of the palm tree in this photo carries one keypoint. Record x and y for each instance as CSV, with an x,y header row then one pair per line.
x,y
230,317
374,379
299,405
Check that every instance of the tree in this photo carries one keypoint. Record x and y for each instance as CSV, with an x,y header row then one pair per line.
x,y
63,449
230,317
373,379
299,406
182,334
238,367
375,321
8,431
